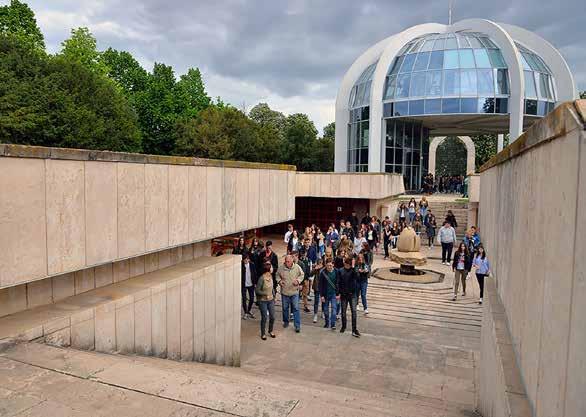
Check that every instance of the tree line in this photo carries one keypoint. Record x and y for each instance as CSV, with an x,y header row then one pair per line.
x,y
82,97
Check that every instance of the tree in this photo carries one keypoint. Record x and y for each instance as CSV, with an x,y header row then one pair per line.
x,y
51,101
125,70
486,148
18,20
264,115
191,92
325,149
300,141
82,47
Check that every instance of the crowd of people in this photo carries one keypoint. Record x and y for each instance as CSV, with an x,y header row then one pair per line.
x,y
331,268
447,184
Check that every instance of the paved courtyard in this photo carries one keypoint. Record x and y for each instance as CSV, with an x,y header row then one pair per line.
x,y
417,357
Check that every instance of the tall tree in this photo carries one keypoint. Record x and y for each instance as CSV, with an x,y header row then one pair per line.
x,y
82,47
264,115
325,149
191,93
51,101
486,147
18,20
300,141
123,68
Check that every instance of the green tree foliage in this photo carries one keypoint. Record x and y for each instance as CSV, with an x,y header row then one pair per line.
x,y
451,157
51,101
18,20
125,70
82,47
300,141
325,149
191,92
265,116
486,147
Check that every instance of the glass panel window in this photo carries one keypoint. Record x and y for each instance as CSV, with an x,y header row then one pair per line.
x,y
408,63
401,108
466,58
531,61
364,156
502,82
402,89
531,107
468,105
359,95
451,43
496,58
486,105
433,106
439,44
525,64
451,59
436,60
463,41
541,108
501,105
396,65
418,84
421,62
541,64
427,46
352,96
530,90
468,82
416,107
389,154
451,82
474,42
485,82
433,85
551,88
399,136
482,60
451,105
366,98
399,157
388,109
544,86
391,84
485,42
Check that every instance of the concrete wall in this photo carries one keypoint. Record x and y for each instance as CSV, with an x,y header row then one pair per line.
x,y
348,185
532,203
65,210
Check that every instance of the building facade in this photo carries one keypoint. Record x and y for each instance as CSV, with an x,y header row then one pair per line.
x,y
474,76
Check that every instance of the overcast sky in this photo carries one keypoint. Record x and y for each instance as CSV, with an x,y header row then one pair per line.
x,y
290,54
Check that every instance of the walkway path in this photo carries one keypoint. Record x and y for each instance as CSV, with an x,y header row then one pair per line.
x,y
416,358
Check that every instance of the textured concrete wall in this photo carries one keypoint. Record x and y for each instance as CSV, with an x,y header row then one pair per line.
x,y
62,212
532,203
348,185
154,314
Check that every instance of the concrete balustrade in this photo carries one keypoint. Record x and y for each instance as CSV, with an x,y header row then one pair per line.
x,y
375,186
532,204
64,210
162,313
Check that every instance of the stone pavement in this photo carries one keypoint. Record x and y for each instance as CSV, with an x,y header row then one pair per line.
x,y
417,357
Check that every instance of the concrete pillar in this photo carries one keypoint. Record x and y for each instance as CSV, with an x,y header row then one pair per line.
x,y
500,143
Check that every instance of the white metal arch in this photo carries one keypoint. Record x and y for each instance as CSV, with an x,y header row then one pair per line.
x,y
470,153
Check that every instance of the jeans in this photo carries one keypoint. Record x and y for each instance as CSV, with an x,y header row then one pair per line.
x,y
264,307
447,251
460,275
353,301
293,302
480,279
330,315
363,285
411,217
316,301
394,241
250,291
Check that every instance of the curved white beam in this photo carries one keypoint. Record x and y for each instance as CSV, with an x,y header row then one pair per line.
x,y
393,46
564,81
470,153
511,55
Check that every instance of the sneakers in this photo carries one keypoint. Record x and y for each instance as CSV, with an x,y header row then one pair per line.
x,y
454,298
326,326
285,325
272,335
306,309
366,311
358,307
342,330
250,315
463,293
297,330
480,301
244,316
263,337
356,333
315,318
333,328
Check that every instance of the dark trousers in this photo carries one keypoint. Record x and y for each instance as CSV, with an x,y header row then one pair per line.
x,y
353,301
386,246
447,251
480,278
250,291
264,307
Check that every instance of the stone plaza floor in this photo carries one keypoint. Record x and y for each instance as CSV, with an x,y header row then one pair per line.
x,y
416,357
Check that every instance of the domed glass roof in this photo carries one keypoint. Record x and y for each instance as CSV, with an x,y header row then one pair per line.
x,y
461,72
360,94
539,83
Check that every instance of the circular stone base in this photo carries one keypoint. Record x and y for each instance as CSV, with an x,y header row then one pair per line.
x,y
424,277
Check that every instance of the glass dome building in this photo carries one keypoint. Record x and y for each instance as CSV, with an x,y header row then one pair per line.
x,y
475,76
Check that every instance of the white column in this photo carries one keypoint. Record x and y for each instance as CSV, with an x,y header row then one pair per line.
x,y
500,143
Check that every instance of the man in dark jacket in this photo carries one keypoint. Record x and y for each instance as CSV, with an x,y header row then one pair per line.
x,y
270,256
329,292
348,286
249,279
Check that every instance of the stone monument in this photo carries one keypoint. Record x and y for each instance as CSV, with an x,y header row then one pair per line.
x,y
408,253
